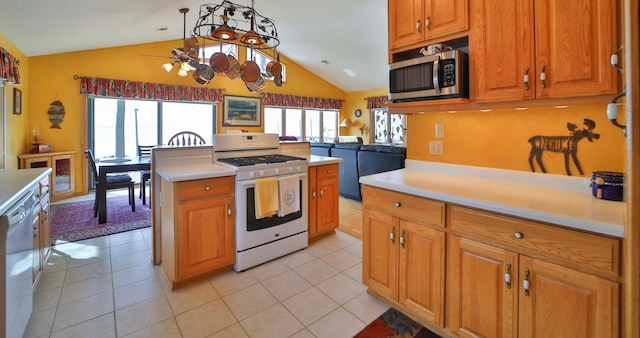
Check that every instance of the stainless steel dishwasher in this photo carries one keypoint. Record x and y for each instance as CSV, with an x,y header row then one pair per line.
x,y
16,262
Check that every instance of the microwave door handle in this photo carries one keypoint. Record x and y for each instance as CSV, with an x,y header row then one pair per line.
x,y
436,72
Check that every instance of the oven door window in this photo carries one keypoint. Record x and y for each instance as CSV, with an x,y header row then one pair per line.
x,y
254,224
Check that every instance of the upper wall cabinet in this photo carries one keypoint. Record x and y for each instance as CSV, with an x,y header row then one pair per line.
x,y
542,48
416,21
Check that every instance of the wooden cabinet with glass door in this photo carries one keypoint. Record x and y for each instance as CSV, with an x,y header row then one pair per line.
x,y
323,199
516,278
62,180
542,49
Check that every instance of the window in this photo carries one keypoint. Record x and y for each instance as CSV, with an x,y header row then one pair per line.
x,y
116,127
227,48
388,128
304,123
262,60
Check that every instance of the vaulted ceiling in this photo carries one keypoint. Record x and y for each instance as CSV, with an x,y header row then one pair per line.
x,y
342,41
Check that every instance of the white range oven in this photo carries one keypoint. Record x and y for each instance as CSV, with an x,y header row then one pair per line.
x,y
257,156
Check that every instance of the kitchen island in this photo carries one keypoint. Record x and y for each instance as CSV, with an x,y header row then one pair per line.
x,y
490,252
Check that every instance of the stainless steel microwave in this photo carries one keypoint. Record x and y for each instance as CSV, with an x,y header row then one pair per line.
x,y
437,76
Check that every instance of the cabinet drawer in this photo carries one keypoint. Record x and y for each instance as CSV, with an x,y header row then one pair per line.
x,y
409,207
204,188
561,245
326,171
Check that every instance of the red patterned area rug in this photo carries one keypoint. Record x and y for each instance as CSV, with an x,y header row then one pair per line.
x,y
392,323
72,222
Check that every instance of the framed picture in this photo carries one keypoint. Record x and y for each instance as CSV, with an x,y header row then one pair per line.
x,y
242,111
17,101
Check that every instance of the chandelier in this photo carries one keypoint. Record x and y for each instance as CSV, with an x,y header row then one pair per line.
x,y
230,23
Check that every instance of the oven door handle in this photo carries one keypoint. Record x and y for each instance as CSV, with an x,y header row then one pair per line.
x,y
252,183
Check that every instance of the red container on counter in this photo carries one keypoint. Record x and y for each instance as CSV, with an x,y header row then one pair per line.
x,y
607,185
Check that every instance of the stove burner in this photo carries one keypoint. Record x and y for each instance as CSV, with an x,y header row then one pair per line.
x,y
262,159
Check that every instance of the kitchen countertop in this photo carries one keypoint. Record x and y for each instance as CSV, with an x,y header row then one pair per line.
x,y
15,183
315,160
562,200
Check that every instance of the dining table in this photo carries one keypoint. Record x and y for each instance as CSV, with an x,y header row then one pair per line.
x,y
115,165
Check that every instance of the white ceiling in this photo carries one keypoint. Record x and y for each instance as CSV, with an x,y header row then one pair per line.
x,y
351,35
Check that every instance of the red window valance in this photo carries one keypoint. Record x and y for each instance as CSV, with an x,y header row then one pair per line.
x,y
9,71
147,90
282,100
377,102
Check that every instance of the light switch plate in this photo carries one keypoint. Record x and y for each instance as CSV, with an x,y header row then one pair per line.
x,y
439,130
436,148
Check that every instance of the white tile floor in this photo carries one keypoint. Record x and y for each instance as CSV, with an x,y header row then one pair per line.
x,y
107,287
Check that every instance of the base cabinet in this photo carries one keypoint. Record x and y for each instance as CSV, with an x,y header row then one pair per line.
x,y
324,208
499,293
198,234
404,261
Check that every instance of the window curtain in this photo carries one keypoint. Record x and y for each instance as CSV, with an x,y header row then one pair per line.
x,y
282,100
377,102
147,90
9,71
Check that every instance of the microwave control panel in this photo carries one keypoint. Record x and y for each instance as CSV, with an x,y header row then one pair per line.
x,y
448,72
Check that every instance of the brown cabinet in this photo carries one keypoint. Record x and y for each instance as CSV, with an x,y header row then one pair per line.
x,y
404,261
62,179
542,49
415,21
41,228
324,209
532,283
198,233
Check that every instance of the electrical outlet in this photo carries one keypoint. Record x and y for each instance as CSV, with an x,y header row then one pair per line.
x,y
436,148
439,130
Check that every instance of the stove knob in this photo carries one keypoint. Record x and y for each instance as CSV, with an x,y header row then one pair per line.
x,y
298,169
290,170
276,171
261,173
251,174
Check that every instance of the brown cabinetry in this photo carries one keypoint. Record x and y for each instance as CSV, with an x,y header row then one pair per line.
x,y
41,228
62,180
542,49
404,260
531,282
415,21
198,234
324,210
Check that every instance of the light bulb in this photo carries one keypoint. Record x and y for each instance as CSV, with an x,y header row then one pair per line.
x,y
186,67
168,66
182,72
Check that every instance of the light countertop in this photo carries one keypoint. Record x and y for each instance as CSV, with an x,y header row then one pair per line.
x,y
192,171
315,160
15,183
562,200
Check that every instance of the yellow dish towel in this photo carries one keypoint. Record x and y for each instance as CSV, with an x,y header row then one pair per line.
x,y
266,197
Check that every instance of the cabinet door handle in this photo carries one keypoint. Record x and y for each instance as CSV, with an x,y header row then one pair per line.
x,y
313,194
228,210
526,79
321,192
426,23
328,171
207,188
525,282
518,235
507,275
402,238
543,76
418,26
392,234
397,204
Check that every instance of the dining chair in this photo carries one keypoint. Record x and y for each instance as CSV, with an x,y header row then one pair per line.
x,y
145,175
117,181
186,138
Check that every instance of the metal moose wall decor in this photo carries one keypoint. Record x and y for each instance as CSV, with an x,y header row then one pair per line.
x,y
568,145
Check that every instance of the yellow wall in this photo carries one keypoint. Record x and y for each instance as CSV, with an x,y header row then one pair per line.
x,y
498,139
356,100
16,125
53,79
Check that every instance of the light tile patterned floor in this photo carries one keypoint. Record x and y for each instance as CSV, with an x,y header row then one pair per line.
x,y
107,287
